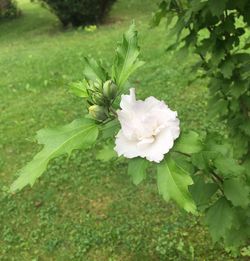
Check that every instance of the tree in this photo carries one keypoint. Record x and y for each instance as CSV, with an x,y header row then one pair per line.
x,y
217,32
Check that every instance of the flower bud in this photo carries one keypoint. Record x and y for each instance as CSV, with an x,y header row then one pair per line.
x,y
94,86
98,99
98,112
109,90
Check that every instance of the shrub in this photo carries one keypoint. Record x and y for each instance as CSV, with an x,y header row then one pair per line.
x,y
79,12
8,8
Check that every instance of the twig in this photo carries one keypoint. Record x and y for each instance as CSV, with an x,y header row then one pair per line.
x,y
183,153
113,111
217,177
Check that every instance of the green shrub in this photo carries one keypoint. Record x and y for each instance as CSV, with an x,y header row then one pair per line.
x,y
79,12
8,8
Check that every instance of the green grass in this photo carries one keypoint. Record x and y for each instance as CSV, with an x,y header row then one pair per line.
x,y
85,209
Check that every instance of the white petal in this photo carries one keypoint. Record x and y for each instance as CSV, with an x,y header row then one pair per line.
x,y
128,101
145,141
163,143
175,128
126,147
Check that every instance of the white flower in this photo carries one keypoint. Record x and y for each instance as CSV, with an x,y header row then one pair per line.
x,y
148,128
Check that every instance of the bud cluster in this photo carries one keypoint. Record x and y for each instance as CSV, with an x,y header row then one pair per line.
x,y
101,97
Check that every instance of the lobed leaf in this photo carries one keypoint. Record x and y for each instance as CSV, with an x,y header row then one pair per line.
x,y
173,183
107,153
79,88
219,218
202,192
203,159
237,191
184,162
217,7
93,71
188,143
223,147
218,108
126,59
110,129
159,14
228,166
227,68
137,170
79,134
237,236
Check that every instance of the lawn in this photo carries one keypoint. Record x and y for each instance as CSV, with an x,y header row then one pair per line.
x,y
84,209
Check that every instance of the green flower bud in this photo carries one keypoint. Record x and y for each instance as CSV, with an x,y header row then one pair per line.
x,y
109,90
98,112
94,86
98,98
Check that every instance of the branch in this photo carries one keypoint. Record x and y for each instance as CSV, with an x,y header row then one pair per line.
x,y
217,177
183,153
244,108
113,111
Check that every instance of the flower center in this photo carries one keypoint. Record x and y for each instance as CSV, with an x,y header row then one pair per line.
x,y
150,138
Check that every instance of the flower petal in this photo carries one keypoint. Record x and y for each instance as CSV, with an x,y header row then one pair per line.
x,y
128,101
163,143
126,147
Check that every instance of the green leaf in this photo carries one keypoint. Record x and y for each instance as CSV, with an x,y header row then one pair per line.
x,y
137,169
228,166
159,14
173,183
236,237
94,71
217,7
107,153
110,129
246,166
218,108
79,88
184,162
188,143
197,5
238,88
237,191
219,218
212,144
239,233
79,134
245,126
202,192
219,54
126,59
240,144
227,68
203,159
178,28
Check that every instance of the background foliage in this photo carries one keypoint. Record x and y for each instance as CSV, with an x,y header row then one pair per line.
x,y
8,9
77,13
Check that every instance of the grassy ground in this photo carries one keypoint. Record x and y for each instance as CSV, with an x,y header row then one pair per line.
x,y
85,209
